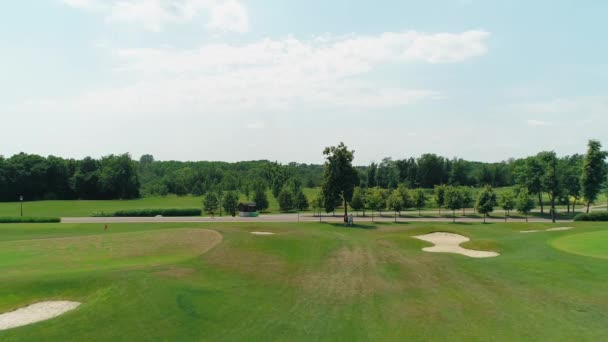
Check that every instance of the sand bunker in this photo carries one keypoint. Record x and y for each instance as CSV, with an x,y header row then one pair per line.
x,y
262,233
556,229
450,243
35,313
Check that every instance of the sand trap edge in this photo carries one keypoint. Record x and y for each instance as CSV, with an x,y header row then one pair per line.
x,y
445,242
262,233
35,313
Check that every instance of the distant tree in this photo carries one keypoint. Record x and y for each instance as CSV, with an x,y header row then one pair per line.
x,y
419,199
357,202
529,175
467,199
198,190
286,199
404,192
371,175
230,202
211,202
395,202
339,177
431,170
486,201
507,202
550,179
317,204
594,172
570,178
260,197
524,203
453,198
118,177
375,200
300,200
146,159
439,196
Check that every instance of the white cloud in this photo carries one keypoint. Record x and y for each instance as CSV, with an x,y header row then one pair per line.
x,y
538,123
222,15
323,72
230,15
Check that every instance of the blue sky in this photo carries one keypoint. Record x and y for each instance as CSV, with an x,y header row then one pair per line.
x,y
251,79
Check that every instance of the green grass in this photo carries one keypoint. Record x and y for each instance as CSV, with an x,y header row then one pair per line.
x,y
88,208
593,244
310,281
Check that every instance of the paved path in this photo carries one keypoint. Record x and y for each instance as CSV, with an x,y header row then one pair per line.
x,y
284,218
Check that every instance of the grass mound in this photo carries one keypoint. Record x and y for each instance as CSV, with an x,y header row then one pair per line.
x,y
28,219
592,216
152,212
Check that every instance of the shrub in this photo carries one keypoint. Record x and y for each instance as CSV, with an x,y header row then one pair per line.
x,y
592,216
156,212
29,219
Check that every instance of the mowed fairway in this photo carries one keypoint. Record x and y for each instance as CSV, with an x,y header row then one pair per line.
x,y
308,281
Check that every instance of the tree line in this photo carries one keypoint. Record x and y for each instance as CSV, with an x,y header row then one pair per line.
x,y
564,180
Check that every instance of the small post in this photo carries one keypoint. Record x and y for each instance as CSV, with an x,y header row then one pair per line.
x,y
21,201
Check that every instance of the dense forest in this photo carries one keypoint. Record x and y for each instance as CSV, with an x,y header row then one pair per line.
x,y
120,177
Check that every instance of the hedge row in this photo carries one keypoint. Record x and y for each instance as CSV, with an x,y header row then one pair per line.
x,y
592,216
29,219
152,212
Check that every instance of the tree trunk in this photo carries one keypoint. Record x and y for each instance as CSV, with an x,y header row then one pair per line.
x,y
464,212
526,218
553,208
506,213
345,208
540,202
395,217
372,216
453,216
573,206
588,205
484,218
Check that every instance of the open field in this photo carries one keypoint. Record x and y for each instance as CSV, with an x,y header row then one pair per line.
x,y
81,208
309,281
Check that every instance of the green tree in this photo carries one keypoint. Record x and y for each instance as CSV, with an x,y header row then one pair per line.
x,y
439,196
286,199
570,178
404,192
317,204
395,202
594,172
467,199
486,201
524,203
371,175
375,200
419,199
230,202
118,177
300,200
507,202
260,197
339,177
550,179
454,199
529,175
358,200
211,202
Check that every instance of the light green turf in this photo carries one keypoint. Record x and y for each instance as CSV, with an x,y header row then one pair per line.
x,y
310,281
593,244
87,208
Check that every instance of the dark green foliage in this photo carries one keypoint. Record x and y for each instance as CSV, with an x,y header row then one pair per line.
x,y
286,199
27,219
300,200
592,216
439,195
594,172
176,212
486,201
211,202
419,199
358,200
339,177
453,199
524,202
230,203
259,197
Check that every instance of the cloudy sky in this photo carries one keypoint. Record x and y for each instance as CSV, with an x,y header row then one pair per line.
x,y
275,79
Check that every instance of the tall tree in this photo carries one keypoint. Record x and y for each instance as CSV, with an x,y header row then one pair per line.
x,y
524,203
358,200
550,179
467,199
453,198
570,178
507,202
375,200
419,199
529,175
286,199
211,202
230,203
372,173
395,202
594,172
486,201
339,176
439,196
260,197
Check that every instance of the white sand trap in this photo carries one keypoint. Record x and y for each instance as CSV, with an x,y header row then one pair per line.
x,y
35,313
262,233
450,243
556,229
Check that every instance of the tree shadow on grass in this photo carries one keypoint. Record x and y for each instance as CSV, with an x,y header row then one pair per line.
x,y
355,226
